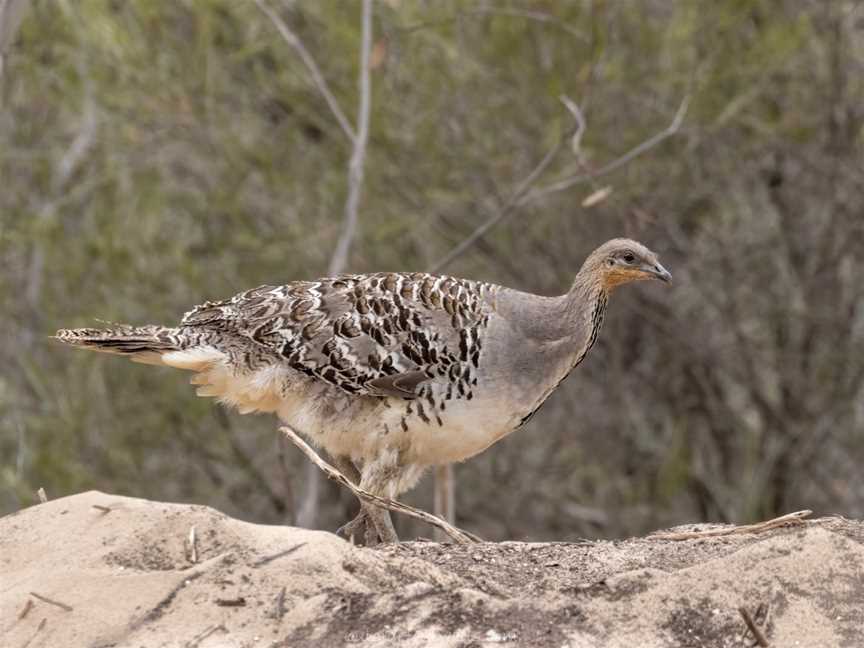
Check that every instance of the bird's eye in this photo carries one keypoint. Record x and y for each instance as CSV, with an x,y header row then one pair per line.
x,y
629,258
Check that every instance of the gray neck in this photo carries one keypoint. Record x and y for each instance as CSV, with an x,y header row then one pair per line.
x,y
561,336
583,309
563,327
572,318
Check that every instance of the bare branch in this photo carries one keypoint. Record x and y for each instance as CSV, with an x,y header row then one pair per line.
x,y
617,163
458,535
502,213
783,520
63,606
308,509
193,545
523,194
358,155
752,627
317,78
581,125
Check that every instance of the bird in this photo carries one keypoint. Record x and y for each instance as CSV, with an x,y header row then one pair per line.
x,y
391,372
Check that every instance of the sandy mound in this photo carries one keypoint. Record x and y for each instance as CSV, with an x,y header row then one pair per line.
x,y
98,570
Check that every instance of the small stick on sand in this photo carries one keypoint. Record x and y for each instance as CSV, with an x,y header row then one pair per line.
x,y
38,630
196,641
279,610
751,625
458,535
42,496
27,607
761,527
235,602
68,608
281,554
193,545
104,509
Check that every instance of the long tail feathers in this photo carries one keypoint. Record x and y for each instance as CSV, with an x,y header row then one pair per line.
x,y
141,343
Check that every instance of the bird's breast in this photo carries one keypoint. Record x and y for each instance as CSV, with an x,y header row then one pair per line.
x,y
455,429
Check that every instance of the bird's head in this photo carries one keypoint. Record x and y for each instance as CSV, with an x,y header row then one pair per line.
x,y
621,261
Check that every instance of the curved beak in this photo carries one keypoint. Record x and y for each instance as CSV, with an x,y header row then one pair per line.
x,y
659,272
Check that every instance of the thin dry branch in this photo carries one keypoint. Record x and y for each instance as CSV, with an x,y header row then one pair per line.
x,y
458,535
618,162
309,506
317,78
193,545
524,194
358,155
502,213
26,609
761,527
754,629
45,599
581,125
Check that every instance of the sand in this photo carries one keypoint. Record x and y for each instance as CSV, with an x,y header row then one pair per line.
x,y
98,570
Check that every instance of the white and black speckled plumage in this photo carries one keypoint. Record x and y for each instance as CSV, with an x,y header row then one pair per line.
x,y
395,371
371,335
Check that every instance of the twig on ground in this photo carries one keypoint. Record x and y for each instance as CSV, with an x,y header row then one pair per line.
x,y
42,496
193,545
26,609
279,606
104,509
239,601
68,608
281,554
754,629
190,574
458,535
783,520
38,630
196,641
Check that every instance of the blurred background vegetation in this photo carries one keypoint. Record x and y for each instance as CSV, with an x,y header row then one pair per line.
x,y
155,154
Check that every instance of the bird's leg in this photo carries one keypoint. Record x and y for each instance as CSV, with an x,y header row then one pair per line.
x,y
383,476
381,523
372,522
356,528
360,525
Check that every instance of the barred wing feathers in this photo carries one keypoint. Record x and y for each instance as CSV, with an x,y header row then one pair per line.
x,y
382,334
